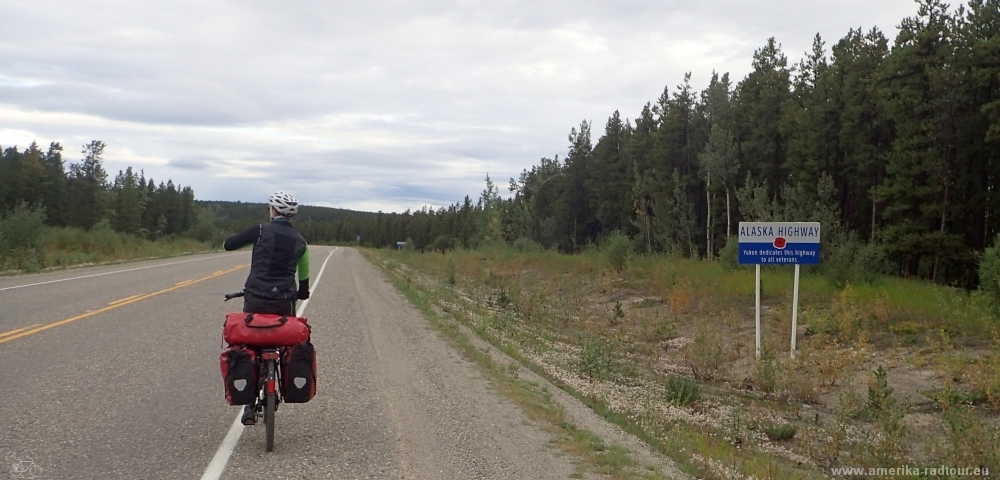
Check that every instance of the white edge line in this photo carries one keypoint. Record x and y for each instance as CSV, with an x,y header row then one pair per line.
x,y
108,273
218,464
302,308
221,458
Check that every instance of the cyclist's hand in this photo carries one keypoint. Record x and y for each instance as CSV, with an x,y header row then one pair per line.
x,y
303,290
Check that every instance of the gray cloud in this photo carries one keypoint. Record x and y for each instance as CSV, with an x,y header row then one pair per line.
x,y
190,163
375,105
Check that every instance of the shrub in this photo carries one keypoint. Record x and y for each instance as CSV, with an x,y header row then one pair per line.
x,y
655,330
870,263
968,439
708,352
681,298
780,432
451,270
617,311
765,372
527,245
880,400
618,250
850,260
206,232
23,245
597,358
729,255
989,271
444,243
23,227
682,391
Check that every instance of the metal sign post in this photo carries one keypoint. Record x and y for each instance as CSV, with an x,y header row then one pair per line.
x,y
757,290
795,308
779,243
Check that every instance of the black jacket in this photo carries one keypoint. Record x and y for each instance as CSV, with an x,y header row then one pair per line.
x,y
278,249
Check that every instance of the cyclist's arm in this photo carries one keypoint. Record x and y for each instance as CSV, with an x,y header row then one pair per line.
x,y
243,239
303,269
303,266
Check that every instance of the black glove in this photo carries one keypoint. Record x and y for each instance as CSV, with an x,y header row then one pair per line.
x,y
303,289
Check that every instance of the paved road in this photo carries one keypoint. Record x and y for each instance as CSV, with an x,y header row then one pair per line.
x,y
90,388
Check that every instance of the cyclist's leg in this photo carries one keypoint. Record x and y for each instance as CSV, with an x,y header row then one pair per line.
x,y
249,414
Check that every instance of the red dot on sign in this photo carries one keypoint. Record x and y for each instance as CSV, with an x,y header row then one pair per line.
x,y
779,243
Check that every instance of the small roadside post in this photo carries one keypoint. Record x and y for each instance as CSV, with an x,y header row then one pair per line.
x,y
779,243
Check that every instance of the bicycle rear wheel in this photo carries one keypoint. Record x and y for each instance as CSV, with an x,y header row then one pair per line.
x,y
269,403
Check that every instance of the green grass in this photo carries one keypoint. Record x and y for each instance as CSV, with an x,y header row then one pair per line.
x,y
934,306
883,303
68,247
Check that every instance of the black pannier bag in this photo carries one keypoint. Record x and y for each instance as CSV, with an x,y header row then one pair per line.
x,y
239,372
298,373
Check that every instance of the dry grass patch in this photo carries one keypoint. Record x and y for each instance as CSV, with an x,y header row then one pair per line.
x,y
665,347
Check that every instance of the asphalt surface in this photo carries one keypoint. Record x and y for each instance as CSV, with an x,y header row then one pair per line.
x,y
94,389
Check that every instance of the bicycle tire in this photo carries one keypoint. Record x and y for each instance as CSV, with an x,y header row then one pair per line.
x,y
269,406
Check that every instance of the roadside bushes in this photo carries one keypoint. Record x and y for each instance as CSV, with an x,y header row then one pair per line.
x,y
444,243
729,254
27,244
851,261
617,250
527,245
22,243
989,272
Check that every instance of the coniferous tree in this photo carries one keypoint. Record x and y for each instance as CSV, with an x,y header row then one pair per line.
x,y
761,99
87,187
916,91
608,176
865,132
127,202
572,206
53,185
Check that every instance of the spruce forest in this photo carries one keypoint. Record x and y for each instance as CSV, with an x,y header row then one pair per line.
x,y
83,196
54,216
893,145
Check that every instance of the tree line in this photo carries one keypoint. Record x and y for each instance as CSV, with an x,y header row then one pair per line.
x,y
82,196
893,146
895,149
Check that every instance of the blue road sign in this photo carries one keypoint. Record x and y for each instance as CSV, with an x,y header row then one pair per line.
x,y
777,243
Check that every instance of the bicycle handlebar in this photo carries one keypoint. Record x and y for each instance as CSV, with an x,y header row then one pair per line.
x,y
230,296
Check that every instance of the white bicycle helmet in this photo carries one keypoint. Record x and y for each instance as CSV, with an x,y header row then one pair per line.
x,y
283,203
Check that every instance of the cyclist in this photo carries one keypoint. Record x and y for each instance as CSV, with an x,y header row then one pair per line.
x,y
278,251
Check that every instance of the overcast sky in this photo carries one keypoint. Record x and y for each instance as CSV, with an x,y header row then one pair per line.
x,y
378,105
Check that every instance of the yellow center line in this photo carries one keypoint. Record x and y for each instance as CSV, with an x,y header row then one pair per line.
x,y
116,305
120,300
4,334
185,282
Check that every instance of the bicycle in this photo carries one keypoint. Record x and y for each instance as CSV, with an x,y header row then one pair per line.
x,y
268,395
25,469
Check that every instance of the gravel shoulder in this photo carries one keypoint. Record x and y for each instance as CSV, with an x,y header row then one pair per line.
x,y
394,400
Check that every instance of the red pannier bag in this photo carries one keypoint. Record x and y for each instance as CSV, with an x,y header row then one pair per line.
x,y
298,373
264,329
239,375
